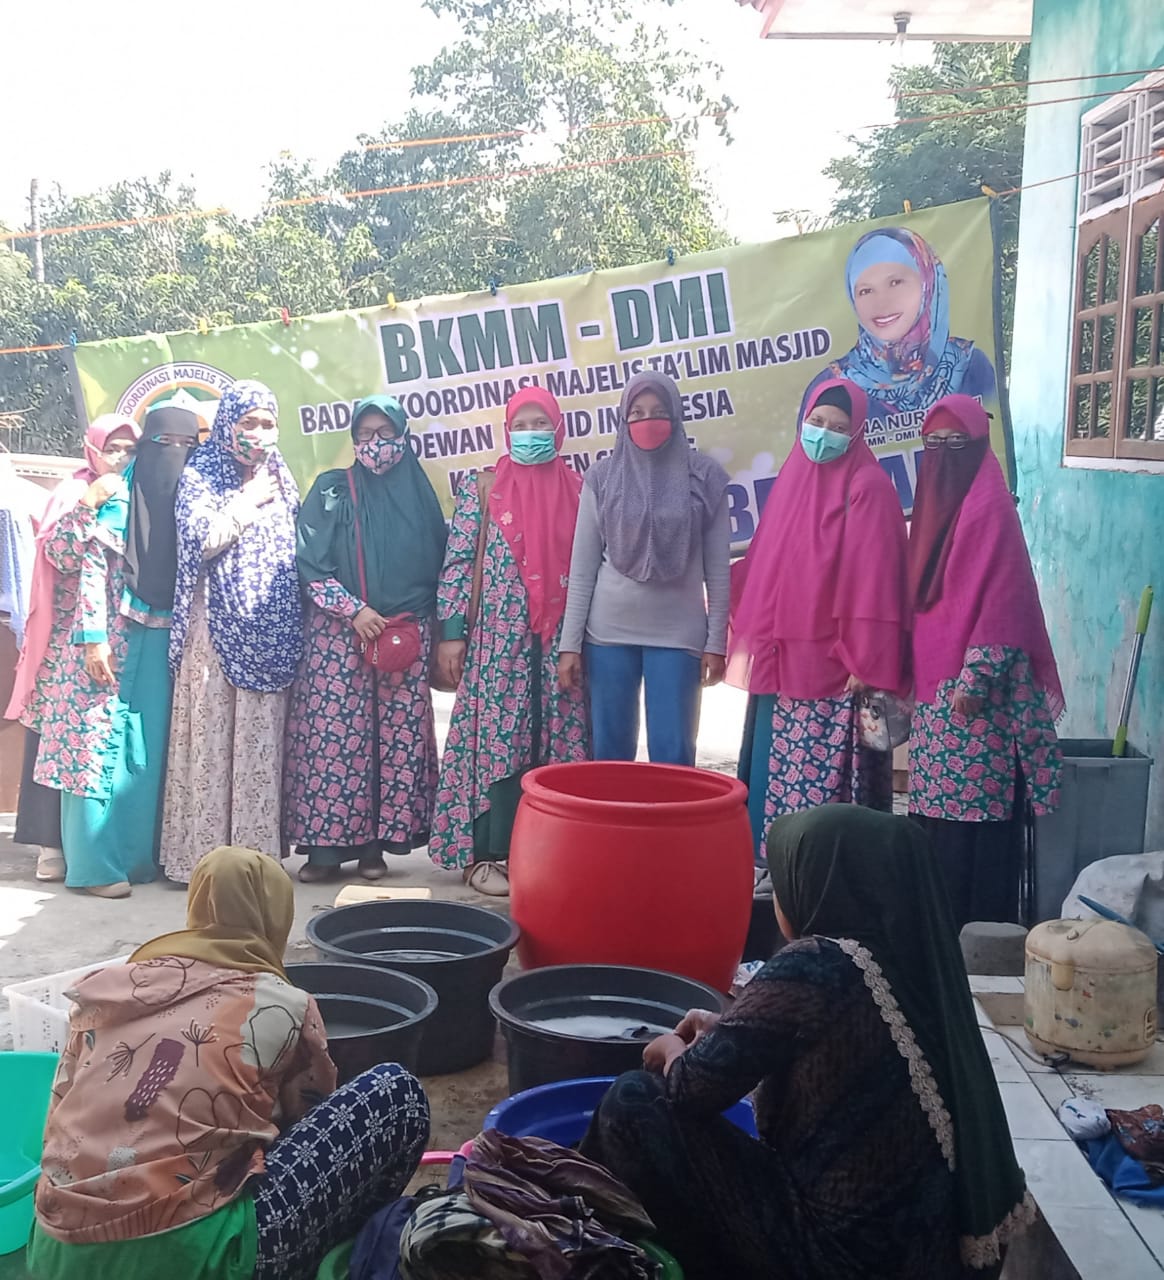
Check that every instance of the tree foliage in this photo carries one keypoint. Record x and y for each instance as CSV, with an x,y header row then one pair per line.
x,y
931,161
534,73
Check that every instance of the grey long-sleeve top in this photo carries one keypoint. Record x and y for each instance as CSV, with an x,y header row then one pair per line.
x,y
689,612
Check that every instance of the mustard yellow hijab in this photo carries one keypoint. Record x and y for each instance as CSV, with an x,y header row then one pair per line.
x,y
239,911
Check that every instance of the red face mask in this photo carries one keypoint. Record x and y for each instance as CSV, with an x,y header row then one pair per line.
x,y
650,433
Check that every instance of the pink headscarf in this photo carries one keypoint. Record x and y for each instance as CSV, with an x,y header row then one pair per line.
x,y
822,593
988,591
536,509
38,627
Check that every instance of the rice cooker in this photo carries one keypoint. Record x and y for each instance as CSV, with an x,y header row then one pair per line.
x,y
1091,991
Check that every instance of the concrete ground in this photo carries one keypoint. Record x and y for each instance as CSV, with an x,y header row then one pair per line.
x,y
45,929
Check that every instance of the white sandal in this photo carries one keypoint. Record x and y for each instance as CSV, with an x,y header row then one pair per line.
x,y
119,889
489,878
50,865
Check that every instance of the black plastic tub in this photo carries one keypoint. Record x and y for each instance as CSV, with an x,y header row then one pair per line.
x,y
459,950
371,1015
554,1019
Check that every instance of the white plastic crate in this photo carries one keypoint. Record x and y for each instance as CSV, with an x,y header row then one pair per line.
x,y
40,1009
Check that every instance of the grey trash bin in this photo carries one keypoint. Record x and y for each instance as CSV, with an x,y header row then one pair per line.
x,y
1103,811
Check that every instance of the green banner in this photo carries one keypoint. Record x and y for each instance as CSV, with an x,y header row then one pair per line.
x,y
908,312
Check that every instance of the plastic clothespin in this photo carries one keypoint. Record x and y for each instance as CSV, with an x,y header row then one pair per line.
x,y
493,283
72,337
203,326
670,256
907,205
391,302
285,315
989,191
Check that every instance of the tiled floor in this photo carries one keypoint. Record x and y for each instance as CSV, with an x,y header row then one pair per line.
x,y
1104,1238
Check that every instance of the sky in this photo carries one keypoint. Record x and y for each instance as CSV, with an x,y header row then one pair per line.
x,y
216,91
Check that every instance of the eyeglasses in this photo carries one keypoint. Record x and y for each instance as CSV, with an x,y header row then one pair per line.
x,y
945,442
385,433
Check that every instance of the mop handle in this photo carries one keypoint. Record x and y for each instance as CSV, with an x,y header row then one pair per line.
x,y
1119,745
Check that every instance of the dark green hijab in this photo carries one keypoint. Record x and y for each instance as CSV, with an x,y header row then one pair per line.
x,y
402,528
843,871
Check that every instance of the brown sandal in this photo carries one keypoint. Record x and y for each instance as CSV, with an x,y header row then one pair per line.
x,y
312,873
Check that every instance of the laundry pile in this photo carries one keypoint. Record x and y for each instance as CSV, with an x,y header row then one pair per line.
x,y
515,1209
1126,1148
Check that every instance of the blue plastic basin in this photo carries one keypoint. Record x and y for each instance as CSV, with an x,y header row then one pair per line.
x,y
561,1112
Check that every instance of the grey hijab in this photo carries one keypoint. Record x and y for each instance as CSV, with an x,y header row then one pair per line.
x,y
653,506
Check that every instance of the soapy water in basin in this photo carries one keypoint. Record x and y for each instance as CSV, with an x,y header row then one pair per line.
x,y
591,1026
413,955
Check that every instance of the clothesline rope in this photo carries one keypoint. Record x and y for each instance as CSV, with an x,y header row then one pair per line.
x,y
994,195
1006,106
334,196
950,90
502,135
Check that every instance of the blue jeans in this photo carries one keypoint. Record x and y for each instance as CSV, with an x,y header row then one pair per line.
x,y
616,673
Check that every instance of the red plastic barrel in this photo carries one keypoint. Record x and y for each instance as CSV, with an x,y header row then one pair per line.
x,y
634,864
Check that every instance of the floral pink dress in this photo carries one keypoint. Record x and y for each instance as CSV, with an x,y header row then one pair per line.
x,y
963,770
76,717
510,713
361,763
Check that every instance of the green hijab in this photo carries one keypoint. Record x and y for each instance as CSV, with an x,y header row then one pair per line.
x,y
402,528
843,871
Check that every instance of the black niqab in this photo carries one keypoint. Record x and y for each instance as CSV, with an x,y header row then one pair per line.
x,y
151,543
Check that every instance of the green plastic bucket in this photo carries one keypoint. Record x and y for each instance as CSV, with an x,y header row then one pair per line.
x,y
25,1082
336,1264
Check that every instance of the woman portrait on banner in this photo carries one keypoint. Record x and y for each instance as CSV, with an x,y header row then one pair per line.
x,y
361,767
107,758
649,581
49,666
983,745
236,637
502,600
820,620
905,357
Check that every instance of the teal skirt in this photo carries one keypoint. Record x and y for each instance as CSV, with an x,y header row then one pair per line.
x,y
114,839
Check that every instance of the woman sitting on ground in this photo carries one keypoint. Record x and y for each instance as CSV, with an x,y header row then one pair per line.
x,y
884,1149
195,1129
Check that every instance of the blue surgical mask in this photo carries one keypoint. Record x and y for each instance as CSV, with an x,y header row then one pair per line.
x,y
822,445
529,448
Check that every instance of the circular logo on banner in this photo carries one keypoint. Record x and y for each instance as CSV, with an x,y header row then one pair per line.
x,y
190,385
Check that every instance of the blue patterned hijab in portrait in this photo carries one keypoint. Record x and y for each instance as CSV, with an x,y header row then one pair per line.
x,y
254,607
927,363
